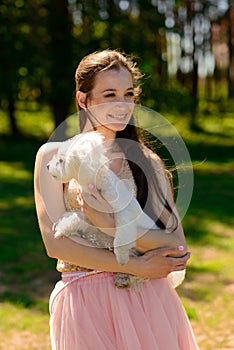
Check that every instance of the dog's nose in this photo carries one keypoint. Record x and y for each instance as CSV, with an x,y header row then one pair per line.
x,y
48,166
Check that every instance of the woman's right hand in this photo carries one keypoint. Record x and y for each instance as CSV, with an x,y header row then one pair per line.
x,y
158,263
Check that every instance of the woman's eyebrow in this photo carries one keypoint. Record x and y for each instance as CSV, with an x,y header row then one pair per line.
x,y
109,89
112,89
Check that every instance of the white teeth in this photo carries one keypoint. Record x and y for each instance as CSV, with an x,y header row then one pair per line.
x,y
117,117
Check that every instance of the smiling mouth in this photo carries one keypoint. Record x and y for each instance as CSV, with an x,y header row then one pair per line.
x,y
118,117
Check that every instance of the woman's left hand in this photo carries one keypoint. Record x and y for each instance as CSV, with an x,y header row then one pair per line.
x,y
97,210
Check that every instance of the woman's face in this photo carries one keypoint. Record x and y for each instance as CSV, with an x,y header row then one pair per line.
x,y
111,101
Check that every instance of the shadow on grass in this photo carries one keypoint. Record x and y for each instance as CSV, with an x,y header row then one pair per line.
x,y
22,149
200,148
210,218
27,274
211,152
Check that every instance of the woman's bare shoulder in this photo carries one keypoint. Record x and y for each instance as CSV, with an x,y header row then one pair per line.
x,y
47,149
49,146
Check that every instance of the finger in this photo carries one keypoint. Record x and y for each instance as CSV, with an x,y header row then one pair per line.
x,y
187,256
89,200
178,268
80,200
168,251
89,197
95,193
95,199
180,261
92,188
91,191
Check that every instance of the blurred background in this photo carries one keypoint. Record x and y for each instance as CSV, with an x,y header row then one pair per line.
x,y
186,51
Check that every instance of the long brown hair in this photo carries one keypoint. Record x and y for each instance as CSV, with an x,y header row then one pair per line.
x,y
85,75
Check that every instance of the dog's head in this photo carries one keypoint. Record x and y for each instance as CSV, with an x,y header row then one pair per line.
x,y
79,158
57,165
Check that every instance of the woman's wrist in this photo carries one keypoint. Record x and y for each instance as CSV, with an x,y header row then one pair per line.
x,y
133,267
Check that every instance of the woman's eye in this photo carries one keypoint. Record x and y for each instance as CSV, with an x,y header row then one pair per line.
x,y
110,95
130,94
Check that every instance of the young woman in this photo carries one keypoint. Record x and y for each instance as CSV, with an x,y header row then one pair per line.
x,y
87,311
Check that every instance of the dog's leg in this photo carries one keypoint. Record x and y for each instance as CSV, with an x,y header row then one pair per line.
x,y
123,242
119,197
128,213
69,224
117,194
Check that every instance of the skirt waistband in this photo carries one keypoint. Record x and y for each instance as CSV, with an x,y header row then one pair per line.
x,y
76,275
79,274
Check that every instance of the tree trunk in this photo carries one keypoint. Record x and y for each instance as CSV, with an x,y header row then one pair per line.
x,y
231,50
14,130
60,56
193,124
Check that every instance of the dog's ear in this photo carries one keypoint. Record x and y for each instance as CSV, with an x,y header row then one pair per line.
x,y
81,99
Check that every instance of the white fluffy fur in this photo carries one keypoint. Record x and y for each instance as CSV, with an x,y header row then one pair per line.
x,y
83,158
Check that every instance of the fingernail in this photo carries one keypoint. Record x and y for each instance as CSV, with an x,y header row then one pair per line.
x,y
91,186
181,247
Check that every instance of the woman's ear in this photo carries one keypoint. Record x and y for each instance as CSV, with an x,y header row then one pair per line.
x,y
81,99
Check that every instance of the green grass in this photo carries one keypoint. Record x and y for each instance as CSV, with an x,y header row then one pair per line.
x,y
208,291
27,276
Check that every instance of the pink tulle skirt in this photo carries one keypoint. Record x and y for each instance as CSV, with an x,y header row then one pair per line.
x,y
90,313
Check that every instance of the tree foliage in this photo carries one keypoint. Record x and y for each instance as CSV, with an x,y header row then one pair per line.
x,y
43,40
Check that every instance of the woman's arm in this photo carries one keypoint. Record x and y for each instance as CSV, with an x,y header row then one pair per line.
x,y
159,193
50,207
153,239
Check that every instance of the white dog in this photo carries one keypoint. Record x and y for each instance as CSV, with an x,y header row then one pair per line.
x,y
83,158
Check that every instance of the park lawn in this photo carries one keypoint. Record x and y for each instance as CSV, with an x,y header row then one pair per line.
x,y
208,292
209,288
28,276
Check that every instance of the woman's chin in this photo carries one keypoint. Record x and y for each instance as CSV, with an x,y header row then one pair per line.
x,y
117,126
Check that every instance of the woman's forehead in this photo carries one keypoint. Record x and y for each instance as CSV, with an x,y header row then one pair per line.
x,y
113,78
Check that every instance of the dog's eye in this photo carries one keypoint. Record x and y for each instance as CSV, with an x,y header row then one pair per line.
x,y
60,160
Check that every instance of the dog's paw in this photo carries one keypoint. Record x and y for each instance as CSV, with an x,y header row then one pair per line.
x,y
121,249
54,227
122,255
60,230
136,282
58,234
122,280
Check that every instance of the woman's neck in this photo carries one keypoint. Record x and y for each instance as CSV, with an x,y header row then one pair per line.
x,y
109,138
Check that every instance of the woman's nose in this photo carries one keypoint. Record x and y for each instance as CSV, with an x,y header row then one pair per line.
x,y
121,103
